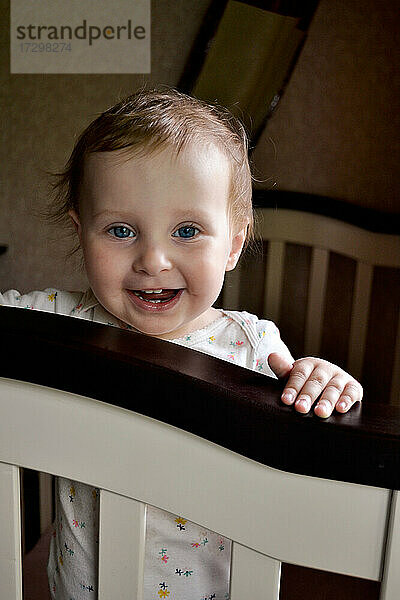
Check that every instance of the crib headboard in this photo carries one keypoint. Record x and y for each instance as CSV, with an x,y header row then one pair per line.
x,y
127,400
326,267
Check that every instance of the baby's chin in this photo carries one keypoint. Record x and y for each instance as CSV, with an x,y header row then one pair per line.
x,y
151,331
160,334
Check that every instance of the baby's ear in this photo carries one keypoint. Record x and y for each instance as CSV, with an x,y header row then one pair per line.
x,y
236,249
76,221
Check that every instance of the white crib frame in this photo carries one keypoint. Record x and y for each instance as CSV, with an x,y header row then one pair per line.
x,y
271,515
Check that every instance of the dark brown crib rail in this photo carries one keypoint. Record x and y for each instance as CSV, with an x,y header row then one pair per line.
x,y
232,406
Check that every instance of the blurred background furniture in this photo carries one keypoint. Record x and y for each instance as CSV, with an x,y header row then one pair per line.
x,y
332,286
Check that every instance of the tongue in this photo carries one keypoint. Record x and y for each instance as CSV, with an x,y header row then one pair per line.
x,y
164,295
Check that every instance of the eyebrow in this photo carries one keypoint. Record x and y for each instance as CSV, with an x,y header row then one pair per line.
x,y
195,213
110,213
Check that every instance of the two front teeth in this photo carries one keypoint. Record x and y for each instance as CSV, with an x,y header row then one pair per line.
x,y
149,292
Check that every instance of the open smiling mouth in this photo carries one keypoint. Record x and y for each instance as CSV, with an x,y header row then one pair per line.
x,y
155,301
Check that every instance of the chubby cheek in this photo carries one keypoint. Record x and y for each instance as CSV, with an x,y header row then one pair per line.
x,y
103,272
206,273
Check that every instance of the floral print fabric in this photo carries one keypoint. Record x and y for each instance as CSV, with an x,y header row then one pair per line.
x,y
183,560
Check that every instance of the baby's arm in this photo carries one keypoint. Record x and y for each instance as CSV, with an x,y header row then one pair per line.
x,y
311,378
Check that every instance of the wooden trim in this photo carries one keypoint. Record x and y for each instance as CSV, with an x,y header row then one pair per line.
x,y
229,405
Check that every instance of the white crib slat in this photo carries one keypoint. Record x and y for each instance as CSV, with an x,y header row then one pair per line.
x,y
273,282
390,587
10,533
121,547
254,575
316,297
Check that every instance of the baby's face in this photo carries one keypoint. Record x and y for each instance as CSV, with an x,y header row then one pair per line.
x,y
158,222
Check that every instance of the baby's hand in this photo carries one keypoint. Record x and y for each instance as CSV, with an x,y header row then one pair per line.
x,y
310,378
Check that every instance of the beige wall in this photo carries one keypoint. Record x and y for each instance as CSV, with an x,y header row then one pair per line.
x,y
42,115
336,129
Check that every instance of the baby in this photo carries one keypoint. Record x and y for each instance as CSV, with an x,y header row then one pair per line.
x,y
159,191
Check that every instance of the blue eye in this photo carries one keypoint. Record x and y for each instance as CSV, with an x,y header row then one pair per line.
x,y
121,232
188,231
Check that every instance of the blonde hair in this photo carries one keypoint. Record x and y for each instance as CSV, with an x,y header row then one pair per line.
x,y
150,120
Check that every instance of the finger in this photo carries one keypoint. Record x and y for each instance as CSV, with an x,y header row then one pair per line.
x,y
313,388
352,393
301,371
330,397
279,364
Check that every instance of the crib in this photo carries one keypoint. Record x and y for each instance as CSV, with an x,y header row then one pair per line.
x,y
216,446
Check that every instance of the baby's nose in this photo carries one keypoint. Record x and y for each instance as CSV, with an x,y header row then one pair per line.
x,y
151,259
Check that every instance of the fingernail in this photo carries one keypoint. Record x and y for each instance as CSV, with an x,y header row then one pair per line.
x,y
343,405
324,405
288,397
303,403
